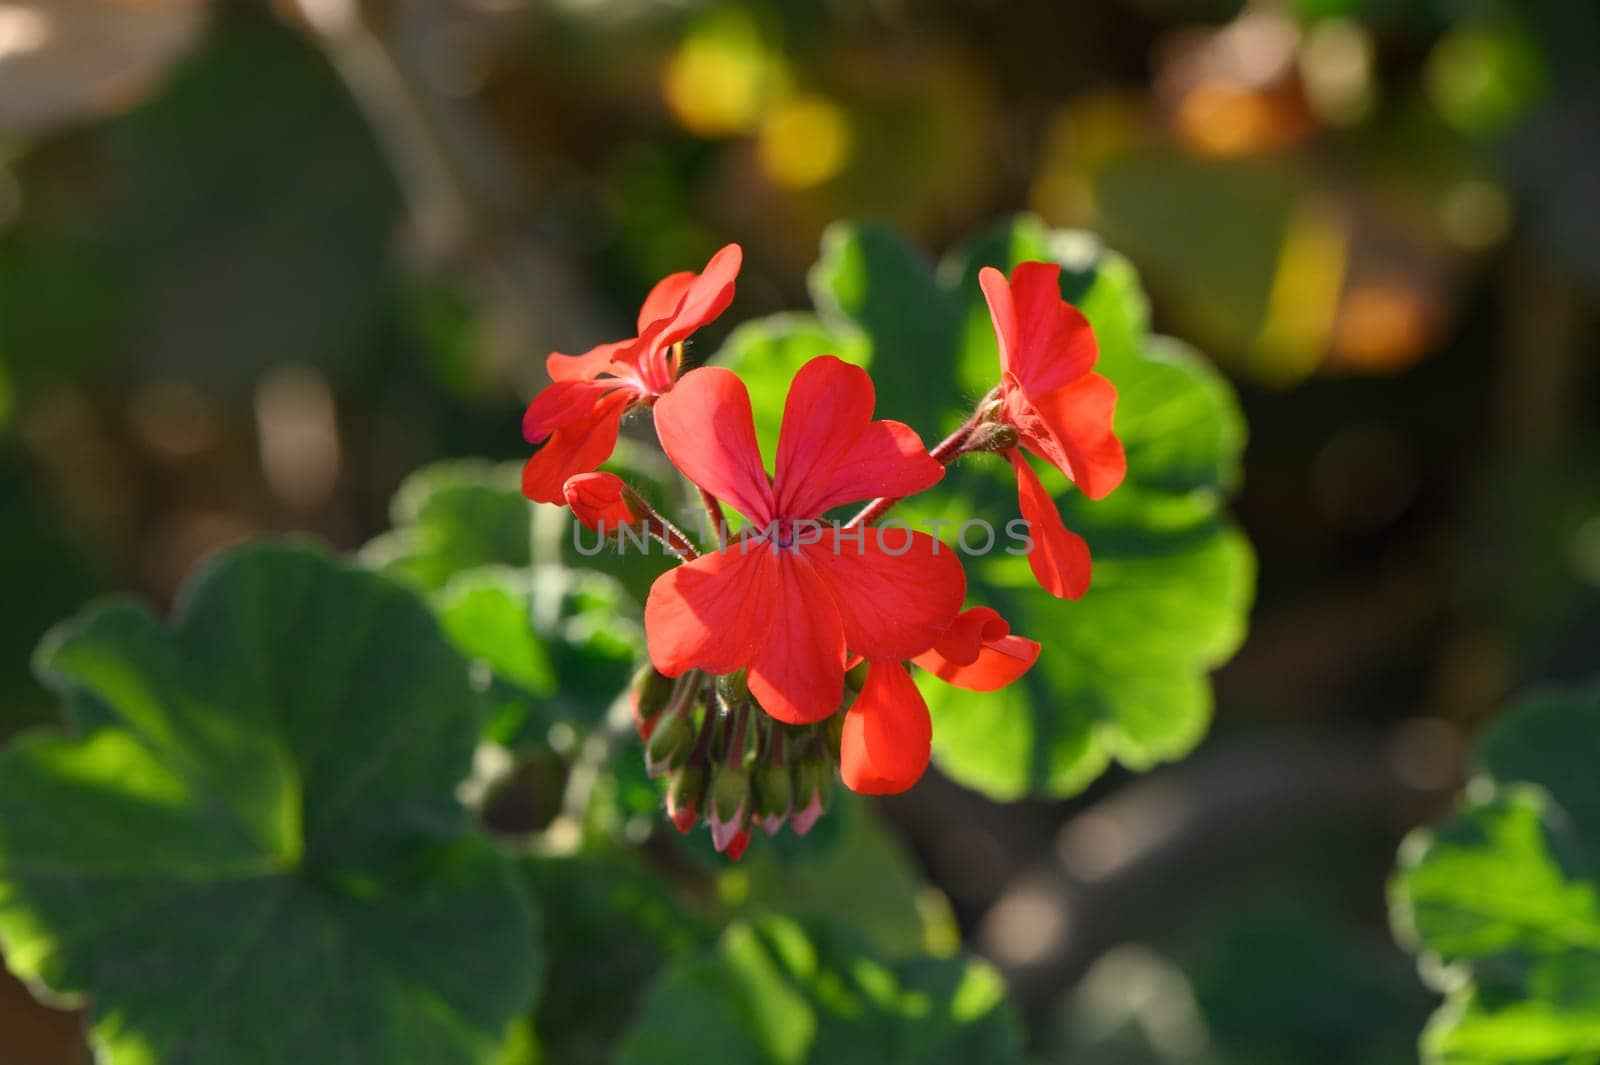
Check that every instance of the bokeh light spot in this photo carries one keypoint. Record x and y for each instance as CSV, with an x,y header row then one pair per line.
x,y
805,141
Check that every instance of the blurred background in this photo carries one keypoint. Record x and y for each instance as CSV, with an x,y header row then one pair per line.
x,y
260,260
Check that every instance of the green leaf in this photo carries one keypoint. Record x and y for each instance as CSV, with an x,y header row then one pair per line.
x,y
548,644
612,924
452,517
1503,902
857,874
558,646
1124,672
776,992
250,849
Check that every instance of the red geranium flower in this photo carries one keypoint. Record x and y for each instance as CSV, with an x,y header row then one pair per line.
x,y
599,501
577,416
789,596
1060,408
887,732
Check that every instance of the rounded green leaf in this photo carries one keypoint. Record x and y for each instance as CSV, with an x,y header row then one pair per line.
x,y
250,848
1503,901
451,517
776,992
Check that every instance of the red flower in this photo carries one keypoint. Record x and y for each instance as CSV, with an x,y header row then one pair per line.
x,y
788,597
887,733
1060,408
599,501
578,415
979,653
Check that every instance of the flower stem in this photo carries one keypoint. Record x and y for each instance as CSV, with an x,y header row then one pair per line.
x,y
668,534
719,523
735,753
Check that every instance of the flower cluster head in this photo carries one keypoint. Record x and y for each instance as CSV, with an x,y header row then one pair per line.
x,y
783,648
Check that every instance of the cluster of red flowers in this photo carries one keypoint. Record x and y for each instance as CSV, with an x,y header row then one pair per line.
x,y
783,649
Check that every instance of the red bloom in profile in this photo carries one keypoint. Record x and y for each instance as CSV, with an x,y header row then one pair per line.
x,y
887,732
979,653
787,598
600,501
577,416
1060,408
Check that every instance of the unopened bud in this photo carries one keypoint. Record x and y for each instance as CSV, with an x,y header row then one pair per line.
x,y
774,796
669,744
734,688
729,802
651,693
684,796
736,846
855,678
602,502
813,784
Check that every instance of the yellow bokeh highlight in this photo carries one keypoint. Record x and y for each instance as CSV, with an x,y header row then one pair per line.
x,y
1304,300
805,141
722,79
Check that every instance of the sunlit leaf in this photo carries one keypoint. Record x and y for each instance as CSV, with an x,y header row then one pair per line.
x,y
250,848
776,992
1503,901
451,517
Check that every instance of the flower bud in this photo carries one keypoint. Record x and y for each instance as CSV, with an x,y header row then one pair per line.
x,y
736,846
855,678
652,691
729,802
669,746
734,688
813,783
602,502
684,796
774,796
833,734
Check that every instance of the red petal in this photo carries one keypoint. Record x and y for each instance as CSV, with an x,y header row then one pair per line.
x,y
682,303
577,447
590,364
1060,558
887,733
664,299
798,674
1078,420
967,634
713,613
998,663
830,451
1044,340
561,404
596,501
892,605
708,432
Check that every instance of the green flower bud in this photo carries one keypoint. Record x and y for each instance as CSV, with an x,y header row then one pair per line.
x,y
729,802
813,786
774,796
734,688
833,734
669,746
685,794
652,691
855,677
